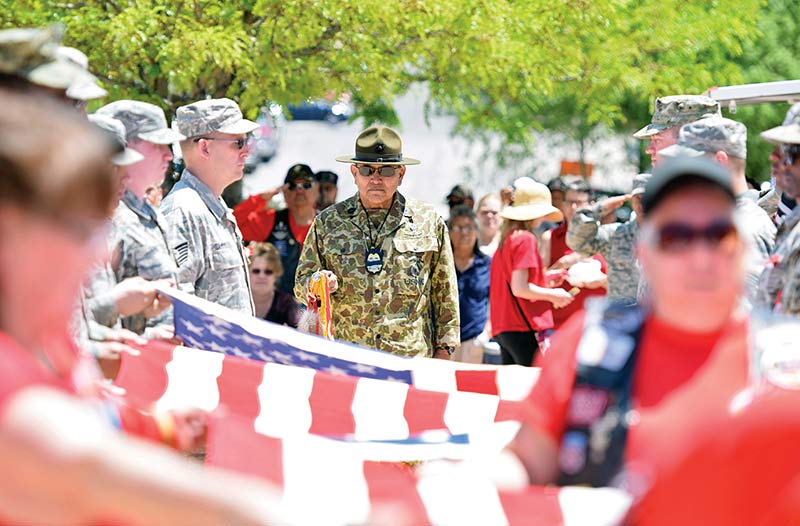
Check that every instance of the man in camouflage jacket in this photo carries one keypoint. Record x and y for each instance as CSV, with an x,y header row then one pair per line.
x,y
390,258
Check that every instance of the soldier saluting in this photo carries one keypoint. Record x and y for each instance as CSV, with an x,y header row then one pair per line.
x,y
388,258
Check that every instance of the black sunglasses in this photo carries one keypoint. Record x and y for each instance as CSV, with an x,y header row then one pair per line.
x,y
240,142
266,271
294,186
383,171
791,154
677,237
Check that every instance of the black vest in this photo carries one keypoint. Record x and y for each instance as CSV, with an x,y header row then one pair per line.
x,y
599,411
288,247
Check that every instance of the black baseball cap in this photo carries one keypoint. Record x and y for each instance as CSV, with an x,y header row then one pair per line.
x,y
675,173
299,171
326,176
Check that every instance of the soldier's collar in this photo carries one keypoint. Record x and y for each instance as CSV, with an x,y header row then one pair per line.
x,y
138,206
214,203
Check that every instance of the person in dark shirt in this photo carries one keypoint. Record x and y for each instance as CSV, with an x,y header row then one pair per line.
x,y
265,270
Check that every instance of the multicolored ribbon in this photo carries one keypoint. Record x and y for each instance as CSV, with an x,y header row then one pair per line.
x,y
319,302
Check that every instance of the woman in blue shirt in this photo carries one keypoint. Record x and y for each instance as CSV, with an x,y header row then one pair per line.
x,y
472,271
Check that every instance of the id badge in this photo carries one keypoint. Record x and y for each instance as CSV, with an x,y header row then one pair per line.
x,y
373,260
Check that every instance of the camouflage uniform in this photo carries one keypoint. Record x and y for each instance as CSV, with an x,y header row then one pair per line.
x,y
207,244
142,248
717,134
781,277
411,306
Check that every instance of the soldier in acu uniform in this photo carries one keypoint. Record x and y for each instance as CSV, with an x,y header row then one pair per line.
x,y
141,246
206,241
392,265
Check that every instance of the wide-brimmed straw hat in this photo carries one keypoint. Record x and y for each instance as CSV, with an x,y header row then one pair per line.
x,y
531,201
378,145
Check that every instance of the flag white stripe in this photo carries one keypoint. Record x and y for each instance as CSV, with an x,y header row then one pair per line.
x,y
284,397
514,382
595,506
192,380
466,412
378,410
459,496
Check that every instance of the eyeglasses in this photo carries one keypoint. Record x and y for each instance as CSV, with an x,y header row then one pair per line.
x,y
240,142
266,271
383,171
294,186
790,154
463,229
489,212
677,237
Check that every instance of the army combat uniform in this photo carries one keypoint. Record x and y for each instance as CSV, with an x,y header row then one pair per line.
x,y
142,248
410,306
207,245
779,286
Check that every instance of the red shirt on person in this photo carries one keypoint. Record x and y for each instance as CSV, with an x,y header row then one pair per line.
x,y
519,251
256,221
559,249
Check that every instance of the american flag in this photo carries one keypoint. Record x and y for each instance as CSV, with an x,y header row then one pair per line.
x,y
204,325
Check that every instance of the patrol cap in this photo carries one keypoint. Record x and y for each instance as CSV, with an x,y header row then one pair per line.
x,y
82,89
212,116
299,171
116,130
789,131
677,110
30,55
639,183
142,120
378,145
326,176
708,136
669,176
557,184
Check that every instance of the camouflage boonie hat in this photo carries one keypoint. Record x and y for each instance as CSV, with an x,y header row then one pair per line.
x,y
789,131
31,55
143,121
378,145
116,130
82,89
677,110
708,136
639,183
212,116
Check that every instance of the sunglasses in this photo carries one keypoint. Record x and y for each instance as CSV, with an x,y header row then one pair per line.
x,y
266,271
240,142
294,186
383,171
678,237
463,229
790,155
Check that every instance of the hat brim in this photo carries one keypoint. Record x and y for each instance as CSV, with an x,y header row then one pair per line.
x,y
789,134
86,91
676,150
650,130
59,74
162,136
354,160
239,127
530,212
127,157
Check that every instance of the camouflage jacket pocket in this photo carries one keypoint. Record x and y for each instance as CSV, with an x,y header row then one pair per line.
x,y
412,263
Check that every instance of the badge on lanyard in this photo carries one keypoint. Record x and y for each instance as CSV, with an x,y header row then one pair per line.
x,y
373,260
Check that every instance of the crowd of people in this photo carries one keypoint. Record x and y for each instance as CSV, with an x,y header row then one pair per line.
x,y
641,328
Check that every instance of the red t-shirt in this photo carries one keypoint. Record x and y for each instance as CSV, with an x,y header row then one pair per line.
x,y
518,252
707,458
559,249
20,369
256,222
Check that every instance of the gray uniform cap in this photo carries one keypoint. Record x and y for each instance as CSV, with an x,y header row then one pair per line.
x,y
708,136
82,89
212,116
116,130
789,131
677,110
31,55
639,183
143,121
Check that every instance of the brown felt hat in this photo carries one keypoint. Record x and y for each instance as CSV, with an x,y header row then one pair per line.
x,y
378,145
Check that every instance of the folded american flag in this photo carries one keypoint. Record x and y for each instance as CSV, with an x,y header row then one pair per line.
x,y
324,482
204,325
281,400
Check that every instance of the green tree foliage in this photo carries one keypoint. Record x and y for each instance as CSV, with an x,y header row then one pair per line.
x,y
501,66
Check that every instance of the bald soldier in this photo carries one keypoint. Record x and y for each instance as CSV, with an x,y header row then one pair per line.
x,y
388,257
206,241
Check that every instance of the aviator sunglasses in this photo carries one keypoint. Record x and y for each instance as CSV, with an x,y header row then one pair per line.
x,y
678,237
240,142
266,271
306,185
383,171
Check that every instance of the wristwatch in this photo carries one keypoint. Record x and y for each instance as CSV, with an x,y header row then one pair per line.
x,y
449,348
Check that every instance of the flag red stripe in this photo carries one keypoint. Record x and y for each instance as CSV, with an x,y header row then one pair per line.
x,y
532,506
331,403
238,386
234,444
424,410
477,381
144,377
393,494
